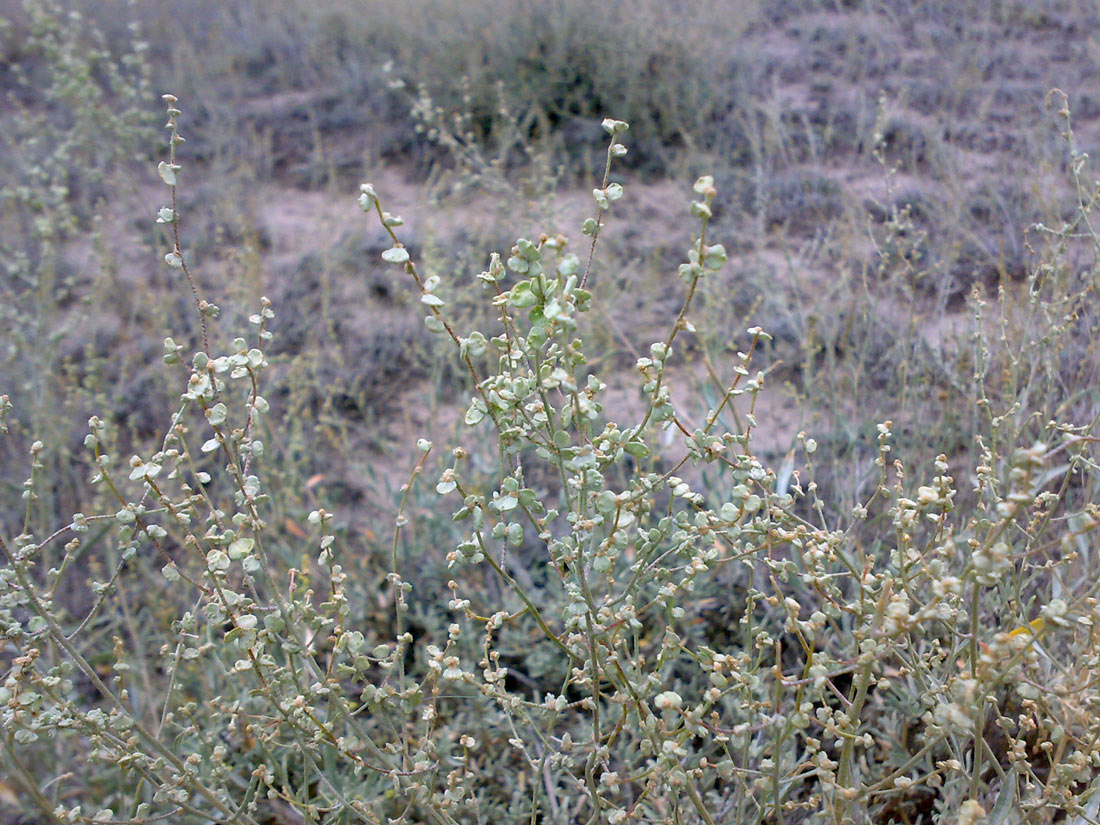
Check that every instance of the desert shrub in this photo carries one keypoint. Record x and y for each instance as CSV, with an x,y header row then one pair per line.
x,y
77,115
577,618
553,63
301,90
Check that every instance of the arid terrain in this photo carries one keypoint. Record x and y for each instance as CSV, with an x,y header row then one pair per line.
x,y
881,166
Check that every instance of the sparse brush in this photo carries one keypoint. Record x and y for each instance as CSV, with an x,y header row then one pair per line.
x,y
847,573
591,636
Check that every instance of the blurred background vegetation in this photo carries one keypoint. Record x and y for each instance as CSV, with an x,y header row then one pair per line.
x,y
489,111
876,161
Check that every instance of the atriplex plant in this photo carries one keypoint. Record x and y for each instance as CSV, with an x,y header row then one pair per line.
x,y
911,656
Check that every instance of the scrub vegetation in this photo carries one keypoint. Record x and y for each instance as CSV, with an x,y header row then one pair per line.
x,y
510,412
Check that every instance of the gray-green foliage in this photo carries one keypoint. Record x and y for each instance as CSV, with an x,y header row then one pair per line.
x,y
76,116
620,643
553,67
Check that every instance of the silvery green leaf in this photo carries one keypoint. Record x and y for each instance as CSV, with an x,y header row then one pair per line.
x,y
239,548
476,412
166,215
758,332
605,502
396,255
217,414
504,503
167,173
434,324
367,197
432,300
528,250
703,184
173,260
689,272
1006,809
217,560
476,344
714,257
569,265
515,534
521,295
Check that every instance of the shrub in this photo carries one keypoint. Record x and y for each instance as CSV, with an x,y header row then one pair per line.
x,y
76,115
639,621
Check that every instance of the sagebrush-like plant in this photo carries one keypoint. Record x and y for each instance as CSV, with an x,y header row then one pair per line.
x,y
76,113
622,643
